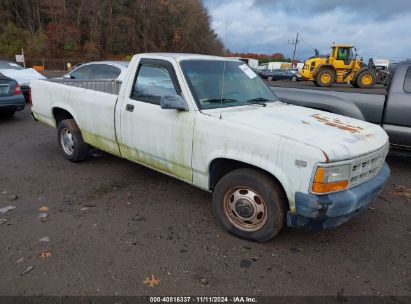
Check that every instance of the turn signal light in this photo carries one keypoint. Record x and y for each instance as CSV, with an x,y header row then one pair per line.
x,y
331,187
331,179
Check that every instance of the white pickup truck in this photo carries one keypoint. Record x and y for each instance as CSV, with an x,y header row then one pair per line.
x,y
211,122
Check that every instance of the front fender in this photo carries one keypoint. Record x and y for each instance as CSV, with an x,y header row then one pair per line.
x,y
283,163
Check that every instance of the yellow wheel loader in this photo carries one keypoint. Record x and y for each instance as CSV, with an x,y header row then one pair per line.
x,y
341,66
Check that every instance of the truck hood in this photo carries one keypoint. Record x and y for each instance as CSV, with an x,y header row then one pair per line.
x,y
339,137
23,77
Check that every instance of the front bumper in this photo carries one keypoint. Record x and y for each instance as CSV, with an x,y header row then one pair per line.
x,y
319,212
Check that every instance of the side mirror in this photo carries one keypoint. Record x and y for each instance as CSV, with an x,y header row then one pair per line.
x,y
175,102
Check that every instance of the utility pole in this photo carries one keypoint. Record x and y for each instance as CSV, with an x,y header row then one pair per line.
x,y
295,42
24,59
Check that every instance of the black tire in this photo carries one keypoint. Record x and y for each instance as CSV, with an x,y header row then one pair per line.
x,y
323,73
79,149
269,193
7,114
367,74
354,83
315,83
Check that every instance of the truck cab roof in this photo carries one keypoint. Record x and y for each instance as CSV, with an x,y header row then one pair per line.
x,y
184,56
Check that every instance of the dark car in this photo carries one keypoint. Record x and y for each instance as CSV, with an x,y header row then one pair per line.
x,y
391,110
11,97
259,71
272,75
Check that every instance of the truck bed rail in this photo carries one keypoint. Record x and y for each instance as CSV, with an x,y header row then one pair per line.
x,y
106,86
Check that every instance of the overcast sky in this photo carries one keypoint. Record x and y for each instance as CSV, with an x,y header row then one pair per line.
x,y
379,29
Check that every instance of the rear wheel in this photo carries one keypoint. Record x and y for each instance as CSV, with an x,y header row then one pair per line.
x,y
7,114
354,84
294,78
366,79
250,204
71,142
325,78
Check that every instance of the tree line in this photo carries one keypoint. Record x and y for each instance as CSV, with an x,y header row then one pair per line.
x,y
98,29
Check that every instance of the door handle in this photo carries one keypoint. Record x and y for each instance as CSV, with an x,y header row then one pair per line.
x,y
129,108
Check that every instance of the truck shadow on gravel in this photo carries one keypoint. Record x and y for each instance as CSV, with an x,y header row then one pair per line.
x,y
198,202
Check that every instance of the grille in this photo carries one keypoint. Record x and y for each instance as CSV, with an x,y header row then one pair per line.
x,y
368,166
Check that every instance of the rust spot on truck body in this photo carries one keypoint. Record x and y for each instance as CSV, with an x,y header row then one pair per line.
x,y
336,123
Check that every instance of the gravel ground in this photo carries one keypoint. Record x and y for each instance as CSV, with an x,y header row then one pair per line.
x,y
112,223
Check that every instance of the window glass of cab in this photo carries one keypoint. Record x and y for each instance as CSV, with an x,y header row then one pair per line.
x,y
153,81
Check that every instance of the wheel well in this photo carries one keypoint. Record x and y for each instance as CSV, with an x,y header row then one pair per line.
x,y
221,166
61,114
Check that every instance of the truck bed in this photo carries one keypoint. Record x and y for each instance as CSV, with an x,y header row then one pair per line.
x,y
106,86
368,107
377,89
80,97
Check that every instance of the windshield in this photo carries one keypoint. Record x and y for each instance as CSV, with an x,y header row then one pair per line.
x,y
10,65
241,85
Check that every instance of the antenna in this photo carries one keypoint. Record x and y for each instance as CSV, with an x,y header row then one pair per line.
x,y
225,55
222,92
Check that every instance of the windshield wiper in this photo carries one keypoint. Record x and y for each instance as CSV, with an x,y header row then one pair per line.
x,y
219,100
259,100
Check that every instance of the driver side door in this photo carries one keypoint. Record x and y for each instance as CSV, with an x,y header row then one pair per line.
x,y
155,137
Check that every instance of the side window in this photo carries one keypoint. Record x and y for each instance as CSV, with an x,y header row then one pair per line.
x,y
407,81
83,72
342,54
153,81
105,71
96,71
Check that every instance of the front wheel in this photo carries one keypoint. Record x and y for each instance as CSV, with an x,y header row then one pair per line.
x,y
250,204
294,78
71,142
366,79
325,77
270,78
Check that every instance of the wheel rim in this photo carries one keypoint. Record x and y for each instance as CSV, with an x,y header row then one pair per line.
x,y
66,140
270,78
245,209
325,78
366,79
294,79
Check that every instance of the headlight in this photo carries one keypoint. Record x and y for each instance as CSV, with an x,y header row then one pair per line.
x,y
331,179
